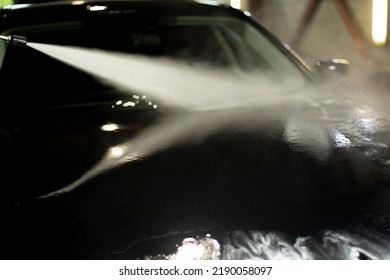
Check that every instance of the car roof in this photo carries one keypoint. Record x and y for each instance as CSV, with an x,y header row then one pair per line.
x,y
60,2
24,15
35,13
109,3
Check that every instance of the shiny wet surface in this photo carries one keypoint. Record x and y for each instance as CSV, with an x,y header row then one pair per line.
x,y
238,183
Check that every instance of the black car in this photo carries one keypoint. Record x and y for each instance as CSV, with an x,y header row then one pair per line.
x,y
137,129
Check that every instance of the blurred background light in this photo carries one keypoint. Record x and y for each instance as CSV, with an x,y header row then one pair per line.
x,y
110,127
235,4
379,21
96,8
116,151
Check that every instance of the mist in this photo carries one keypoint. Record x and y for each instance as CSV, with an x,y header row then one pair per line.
x,y
196,86
204,100
210,99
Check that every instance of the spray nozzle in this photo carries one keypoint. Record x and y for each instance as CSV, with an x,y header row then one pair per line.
x,y
15,39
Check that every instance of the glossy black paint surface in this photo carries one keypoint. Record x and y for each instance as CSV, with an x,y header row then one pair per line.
x,y
277,175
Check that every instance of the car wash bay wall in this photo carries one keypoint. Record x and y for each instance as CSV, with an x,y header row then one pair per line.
x,y
327,35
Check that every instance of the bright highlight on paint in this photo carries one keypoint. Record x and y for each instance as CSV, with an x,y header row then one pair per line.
x,y
97,8
235,4
110,127
117,151
379,22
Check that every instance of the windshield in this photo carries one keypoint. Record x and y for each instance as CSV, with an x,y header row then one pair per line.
x,y
218,42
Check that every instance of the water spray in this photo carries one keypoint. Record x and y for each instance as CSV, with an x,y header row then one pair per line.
x,y
15,39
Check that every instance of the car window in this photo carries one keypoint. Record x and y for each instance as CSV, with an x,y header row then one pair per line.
x,y
218,41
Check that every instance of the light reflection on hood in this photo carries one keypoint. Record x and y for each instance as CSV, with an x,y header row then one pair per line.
x,y
191,248
257,245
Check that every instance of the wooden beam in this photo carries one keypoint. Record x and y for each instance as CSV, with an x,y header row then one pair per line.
x,y
349,21
305,21
346,16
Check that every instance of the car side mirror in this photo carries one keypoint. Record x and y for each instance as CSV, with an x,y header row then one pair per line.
x,y
330,68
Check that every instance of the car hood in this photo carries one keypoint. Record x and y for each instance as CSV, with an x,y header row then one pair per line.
x,y
134,183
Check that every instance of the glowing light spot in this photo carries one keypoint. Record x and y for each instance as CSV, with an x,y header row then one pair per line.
x,y
119,102
190,250
355,254
136,96
198,249
379,22
110,127
341,140
155,106
116,151
97,8
128,104
194,249
78,2
209,2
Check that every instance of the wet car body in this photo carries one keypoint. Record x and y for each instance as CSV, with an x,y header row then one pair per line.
x,y
73,191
